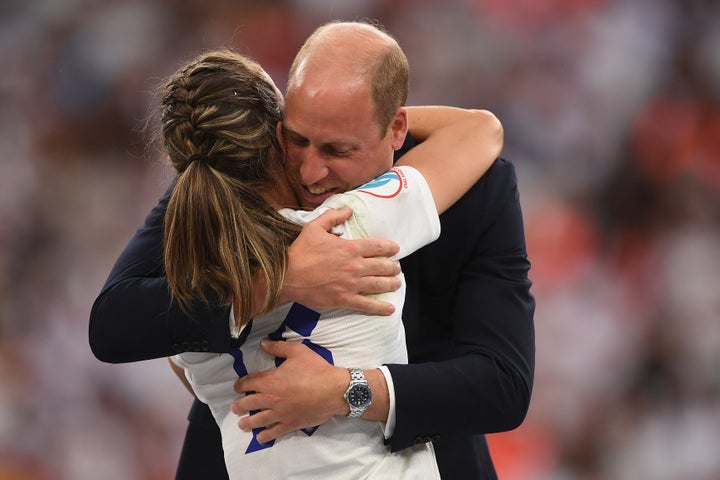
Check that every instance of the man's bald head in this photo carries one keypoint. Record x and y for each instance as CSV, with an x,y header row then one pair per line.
x,y
354,55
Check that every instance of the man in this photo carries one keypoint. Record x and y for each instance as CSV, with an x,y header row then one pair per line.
x,y
468,312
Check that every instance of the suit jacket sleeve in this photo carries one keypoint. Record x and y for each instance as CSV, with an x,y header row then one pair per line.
x,y
134,317
469,321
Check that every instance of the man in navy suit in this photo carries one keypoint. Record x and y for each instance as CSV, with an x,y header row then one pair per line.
x,y
468,313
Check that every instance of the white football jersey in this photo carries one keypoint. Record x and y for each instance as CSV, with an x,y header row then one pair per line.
x,y
397,205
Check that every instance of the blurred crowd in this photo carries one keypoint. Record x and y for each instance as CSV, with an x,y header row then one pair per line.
x,y
611,111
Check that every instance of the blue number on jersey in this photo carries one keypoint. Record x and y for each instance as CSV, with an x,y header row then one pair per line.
x,y
241,371
303,321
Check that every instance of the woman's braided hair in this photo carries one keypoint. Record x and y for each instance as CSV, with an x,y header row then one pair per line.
x,y
218,125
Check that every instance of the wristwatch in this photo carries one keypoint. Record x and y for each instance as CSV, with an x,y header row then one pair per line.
x,y
358,394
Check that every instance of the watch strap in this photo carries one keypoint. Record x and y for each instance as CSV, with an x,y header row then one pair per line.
x,y
357,381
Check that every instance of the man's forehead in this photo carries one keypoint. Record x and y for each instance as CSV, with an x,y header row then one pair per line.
x,y
322,138
332,114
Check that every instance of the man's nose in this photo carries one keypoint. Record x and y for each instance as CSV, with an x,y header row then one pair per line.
x,y
312,167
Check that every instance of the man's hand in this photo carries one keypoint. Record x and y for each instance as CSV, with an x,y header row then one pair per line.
x,y
326,271
303,392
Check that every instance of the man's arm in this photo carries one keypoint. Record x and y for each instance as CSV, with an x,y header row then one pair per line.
x,y
134,317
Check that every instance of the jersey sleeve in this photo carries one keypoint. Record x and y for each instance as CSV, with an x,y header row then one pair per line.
x,y
398,205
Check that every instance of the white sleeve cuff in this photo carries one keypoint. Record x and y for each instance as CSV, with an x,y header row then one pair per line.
x,y
390,424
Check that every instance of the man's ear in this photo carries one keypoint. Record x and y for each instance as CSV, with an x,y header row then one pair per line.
x,y
399,128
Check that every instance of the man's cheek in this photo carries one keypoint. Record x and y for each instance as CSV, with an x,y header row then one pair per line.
x,y
293,157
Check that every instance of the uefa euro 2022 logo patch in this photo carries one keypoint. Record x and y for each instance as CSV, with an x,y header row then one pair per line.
x,y
387,185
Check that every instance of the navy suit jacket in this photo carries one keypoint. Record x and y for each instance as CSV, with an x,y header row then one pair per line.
x,y
468,317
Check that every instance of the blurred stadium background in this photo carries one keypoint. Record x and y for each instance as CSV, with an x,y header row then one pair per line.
x,y
611,111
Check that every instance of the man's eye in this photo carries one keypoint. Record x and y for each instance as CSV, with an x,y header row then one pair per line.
x,y
338,153
301,142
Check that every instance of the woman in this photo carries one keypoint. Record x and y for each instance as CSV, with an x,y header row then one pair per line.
x,y
227,230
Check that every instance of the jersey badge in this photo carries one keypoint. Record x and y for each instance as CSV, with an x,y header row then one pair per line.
x,y
387,185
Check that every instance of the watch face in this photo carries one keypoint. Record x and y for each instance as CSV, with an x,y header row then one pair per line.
x,y
359,396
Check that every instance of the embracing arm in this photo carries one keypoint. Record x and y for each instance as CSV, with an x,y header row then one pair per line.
x,y
458,146
134,317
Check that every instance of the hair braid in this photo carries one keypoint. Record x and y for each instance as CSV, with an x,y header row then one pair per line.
x,y
220,233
